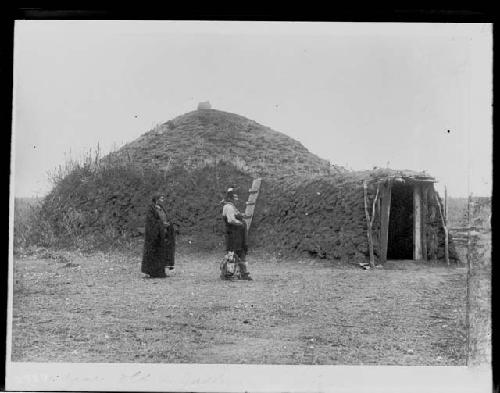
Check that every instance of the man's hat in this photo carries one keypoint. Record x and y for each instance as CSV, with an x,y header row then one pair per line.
x,y
157,196
230,192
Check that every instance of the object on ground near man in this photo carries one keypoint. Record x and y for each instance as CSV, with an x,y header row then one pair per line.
x,y
229,266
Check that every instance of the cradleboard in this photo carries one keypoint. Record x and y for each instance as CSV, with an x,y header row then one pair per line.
x,y
229,266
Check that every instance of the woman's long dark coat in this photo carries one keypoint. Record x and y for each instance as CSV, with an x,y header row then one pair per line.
x,y
159,244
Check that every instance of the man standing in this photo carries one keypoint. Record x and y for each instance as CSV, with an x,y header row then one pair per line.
x,y
236,232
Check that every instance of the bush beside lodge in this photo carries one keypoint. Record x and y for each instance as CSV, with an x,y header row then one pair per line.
x,y
305,204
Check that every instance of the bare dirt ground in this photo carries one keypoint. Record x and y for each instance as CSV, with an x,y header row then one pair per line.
x,y
99,308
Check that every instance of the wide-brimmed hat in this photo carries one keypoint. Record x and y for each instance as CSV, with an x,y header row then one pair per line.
x,y
231,191
157,196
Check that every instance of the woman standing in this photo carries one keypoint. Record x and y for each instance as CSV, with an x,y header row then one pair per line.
x,y
159,240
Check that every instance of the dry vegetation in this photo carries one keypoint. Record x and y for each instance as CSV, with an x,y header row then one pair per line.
x,y
480,282
479,258
480,212
25,219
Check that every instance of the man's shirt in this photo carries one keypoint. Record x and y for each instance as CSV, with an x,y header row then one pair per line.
x,y
229,211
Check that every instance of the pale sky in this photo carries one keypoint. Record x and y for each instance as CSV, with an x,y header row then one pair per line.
x,y
357,94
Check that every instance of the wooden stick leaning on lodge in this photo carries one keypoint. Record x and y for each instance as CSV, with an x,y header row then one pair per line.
x,y
445,227
369,221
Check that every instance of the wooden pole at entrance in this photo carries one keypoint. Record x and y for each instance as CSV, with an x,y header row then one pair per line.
x,y
385,211
417,222
445,227
369,221
425,192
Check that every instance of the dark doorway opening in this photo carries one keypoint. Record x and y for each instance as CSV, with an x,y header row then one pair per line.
x,y
400,236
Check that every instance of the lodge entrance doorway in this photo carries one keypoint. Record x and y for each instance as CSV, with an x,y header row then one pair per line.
x,y
400,236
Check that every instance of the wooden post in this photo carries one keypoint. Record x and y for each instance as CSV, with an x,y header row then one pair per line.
x,y
446,245
369,232
432,232
425,192
378,206
443,222
378,218
446,234
369,221
445,205
385,210
467,304
417,223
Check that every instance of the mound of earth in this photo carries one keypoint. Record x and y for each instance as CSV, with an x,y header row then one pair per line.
x,y
113,200
206,136
305,205
192,159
